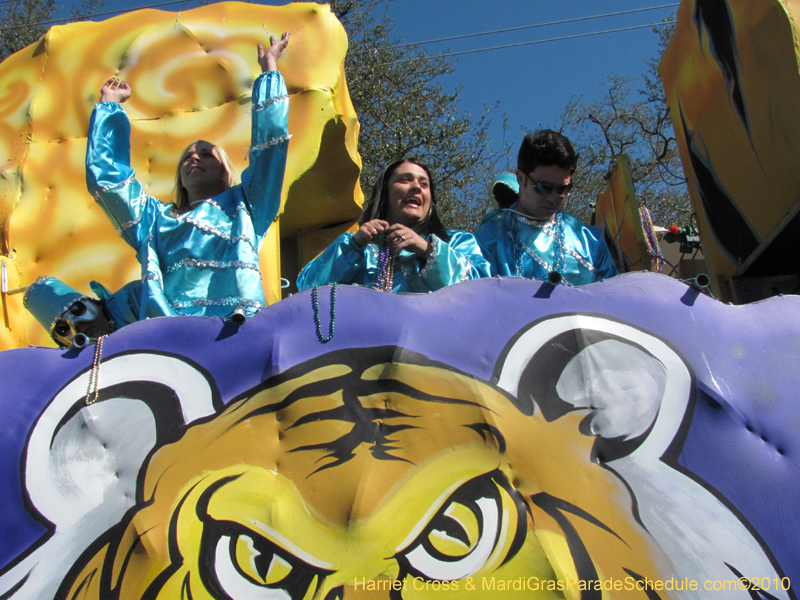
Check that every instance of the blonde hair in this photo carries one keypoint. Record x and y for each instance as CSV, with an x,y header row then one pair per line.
x,y
230,177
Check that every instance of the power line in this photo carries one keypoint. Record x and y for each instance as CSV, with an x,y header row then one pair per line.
x,y
445,39
555,39
562,22
92,16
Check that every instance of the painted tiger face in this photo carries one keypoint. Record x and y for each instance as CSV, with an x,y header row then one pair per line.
x,y
373,473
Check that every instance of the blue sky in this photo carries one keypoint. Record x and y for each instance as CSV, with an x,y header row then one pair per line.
x,y
532,82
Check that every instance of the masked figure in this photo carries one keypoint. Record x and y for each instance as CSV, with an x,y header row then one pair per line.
x,y
73,319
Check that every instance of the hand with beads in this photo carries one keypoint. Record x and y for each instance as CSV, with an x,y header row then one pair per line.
x,y
399,237
415,253
370,232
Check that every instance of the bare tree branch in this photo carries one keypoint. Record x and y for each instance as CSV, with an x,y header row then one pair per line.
x,y
602,130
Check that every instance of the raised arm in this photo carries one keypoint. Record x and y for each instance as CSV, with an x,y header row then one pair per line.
x,y
115,90
262,181
109,176
268,59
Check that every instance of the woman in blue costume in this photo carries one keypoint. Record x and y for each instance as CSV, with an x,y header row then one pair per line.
x,y
535,238
199,256
401,245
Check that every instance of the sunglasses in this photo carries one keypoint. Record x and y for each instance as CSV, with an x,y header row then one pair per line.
x,y
545,188
64,328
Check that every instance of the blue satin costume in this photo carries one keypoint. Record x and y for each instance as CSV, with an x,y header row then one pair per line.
x,y
203,262
586,256
123,305
344,261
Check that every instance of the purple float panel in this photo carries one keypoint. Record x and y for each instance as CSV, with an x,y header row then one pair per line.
x,y
686,404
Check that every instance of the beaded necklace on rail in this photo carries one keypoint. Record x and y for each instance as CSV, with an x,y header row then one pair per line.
x,y
317,322
560,262
93,392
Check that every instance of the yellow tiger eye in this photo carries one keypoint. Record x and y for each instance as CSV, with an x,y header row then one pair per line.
x,y
465,520
247,560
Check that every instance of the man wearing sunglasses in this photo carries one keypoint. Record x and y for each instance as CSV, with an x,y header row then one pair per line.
x,y
535,238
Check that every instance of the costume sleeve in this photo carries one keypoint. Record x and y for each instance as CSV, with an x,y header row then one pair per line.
x,y
123,305
460,259
109,176
490,241
262,181
341,262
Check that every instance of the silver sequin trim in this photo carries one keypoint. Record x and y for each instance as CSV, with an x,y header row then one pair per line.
x,y
219,233
212,264
127,225
226,213
399,266
244,238
269,102
467,270
538,259
549,229
434,242
31,287
151,276
111,186
580,259
271,143
222,302
105,188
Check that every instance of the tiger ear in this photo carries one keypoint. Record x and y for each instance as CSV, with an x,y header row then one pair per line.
x,y
82,463
636,387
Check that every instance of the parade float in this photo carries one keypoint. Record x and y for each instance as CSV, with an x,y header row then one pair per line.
x,y
499,438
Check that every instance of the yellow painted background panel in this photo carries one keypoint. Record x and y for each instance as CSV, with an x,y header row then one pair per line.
x,y
191,73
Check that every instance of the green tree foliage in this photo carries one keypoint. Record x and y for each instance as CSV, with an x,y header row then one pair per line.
x,y
403,112
22,22
635,122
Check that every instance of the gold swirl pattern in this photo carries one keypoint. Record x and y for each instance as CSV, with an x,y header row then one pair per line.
x,y
191,74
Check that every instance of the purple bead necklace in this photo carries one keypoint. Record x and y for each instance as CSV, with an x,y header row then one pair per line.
x,y
385,269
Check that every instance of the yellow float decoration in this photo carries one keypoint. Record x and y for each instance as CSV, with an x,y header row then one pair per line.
x,y
191,73
731,74
617,213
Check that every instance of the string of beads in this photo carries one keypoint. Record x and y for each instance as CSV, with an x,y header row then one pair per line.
x,y
94,376
385,281
315,305
651,240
